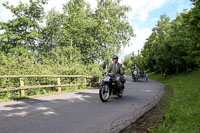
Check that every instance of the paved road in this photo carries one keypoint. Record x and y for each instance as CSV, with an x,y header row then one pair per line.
x,y
80,112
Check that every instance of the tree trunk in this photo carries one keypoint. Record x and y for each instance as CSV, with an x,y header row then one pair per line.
x,y
177,69
71,52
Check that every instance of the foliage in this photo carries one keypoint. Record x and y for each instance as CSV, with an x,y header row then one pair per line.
x,y
132,59
96,34
113,29
74,42
174,46
25,64
24,29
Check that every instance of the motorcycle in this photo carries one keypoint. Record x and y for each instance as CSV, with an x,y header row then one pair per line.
x,y
135,75
109,87
139,75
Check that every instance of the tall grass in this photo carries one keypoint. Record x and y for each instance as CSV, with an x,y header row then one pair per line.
x,y
183,116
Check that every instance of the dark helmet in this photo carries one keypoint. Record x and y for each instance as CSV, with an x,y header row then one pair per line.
x,y
115,57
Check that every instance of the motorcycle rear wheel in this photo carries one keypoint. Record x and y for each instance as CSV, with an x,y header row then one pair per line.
x,y
104,93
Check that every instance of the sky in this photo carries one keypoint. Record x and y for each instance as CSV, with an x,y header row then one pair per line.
x,y
143,16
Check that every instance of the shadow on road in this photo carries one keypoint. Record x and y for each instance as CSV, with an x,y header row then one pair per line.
x,y
24,107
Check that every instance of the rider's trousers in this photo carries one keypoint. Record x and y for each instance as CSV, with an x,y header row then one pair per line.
x,y
118,80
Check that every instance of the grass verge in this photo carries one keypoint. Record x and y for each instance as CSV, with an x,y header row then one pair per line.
x,y
178,111
183,115
152,118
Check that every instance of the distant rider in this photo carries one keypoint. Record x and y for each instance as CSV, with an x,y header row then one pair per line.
x,y
135,68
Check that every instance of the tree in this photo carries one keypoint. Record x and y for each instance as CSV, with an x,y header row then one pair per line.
x,y
24,30
132,59
154,52
97,35
50,32
180,43
113,29
173,46
192,18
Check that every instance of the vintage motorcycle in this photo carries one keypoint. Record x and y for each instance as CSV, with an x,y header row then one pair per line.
x,y
135,75
109,87
139,75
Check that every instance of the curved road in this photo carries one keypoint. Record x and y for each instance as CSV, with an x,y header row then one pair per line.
x,y
80,112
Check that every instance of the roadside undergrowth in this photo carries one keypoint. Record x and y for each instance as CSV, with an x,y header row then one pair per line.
x,y
152,118
178,111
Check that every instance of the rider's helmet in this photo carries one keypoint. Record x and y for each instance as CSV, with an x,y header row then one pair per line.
x,y
115,57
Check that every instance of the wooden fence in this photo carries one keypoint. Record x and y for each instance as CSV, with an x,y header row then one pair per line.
x,y
22,87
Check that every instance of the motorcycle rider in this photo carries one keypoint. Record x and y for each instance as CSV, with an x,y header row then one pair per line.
x,y
135,68
117,69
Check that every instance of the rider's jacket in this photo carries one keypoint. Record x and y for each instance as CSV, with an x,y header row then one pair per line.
x,y
116,69
135,68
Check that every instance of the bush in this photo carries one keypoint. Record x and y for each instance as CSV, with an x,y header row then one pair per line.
x,y
58,62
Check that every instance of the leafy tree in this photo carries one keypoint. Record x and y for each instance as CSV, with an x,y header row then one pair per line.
x,y
113,29
132,59
50,32
97,35
154,52
180,43
77,30
192,19
173,46
24,30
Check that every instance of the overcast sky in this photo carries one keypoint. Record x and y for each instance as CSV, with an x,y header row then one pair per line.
x,y
143,17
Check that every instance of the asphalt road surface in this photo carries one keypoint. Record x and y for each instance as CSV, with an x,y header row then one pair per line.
x,y
80,112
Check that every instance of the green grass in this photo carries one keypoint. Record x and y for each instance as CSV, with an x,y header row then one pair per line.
x,y
183,115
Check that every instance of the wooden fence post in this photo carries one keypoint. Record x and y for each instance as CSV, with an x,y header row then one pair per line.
x,y
76,83
99,79
22,85
59,88
85,82
70,85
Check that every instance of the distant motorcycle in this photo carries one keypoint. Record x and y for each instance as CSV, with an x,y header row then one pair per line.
x,y
109,87
139,75
135,75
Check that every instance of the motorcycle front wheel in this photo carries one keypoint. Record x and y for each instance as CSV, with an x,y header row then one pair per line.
x,y
104,93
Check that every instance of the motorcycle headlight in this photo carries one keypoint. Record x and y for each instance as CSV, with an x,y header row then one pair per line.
x,y
107,78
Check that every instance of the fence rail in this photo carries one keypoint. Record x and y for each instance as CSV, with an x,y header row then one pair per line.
x,y
45,76
22,87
